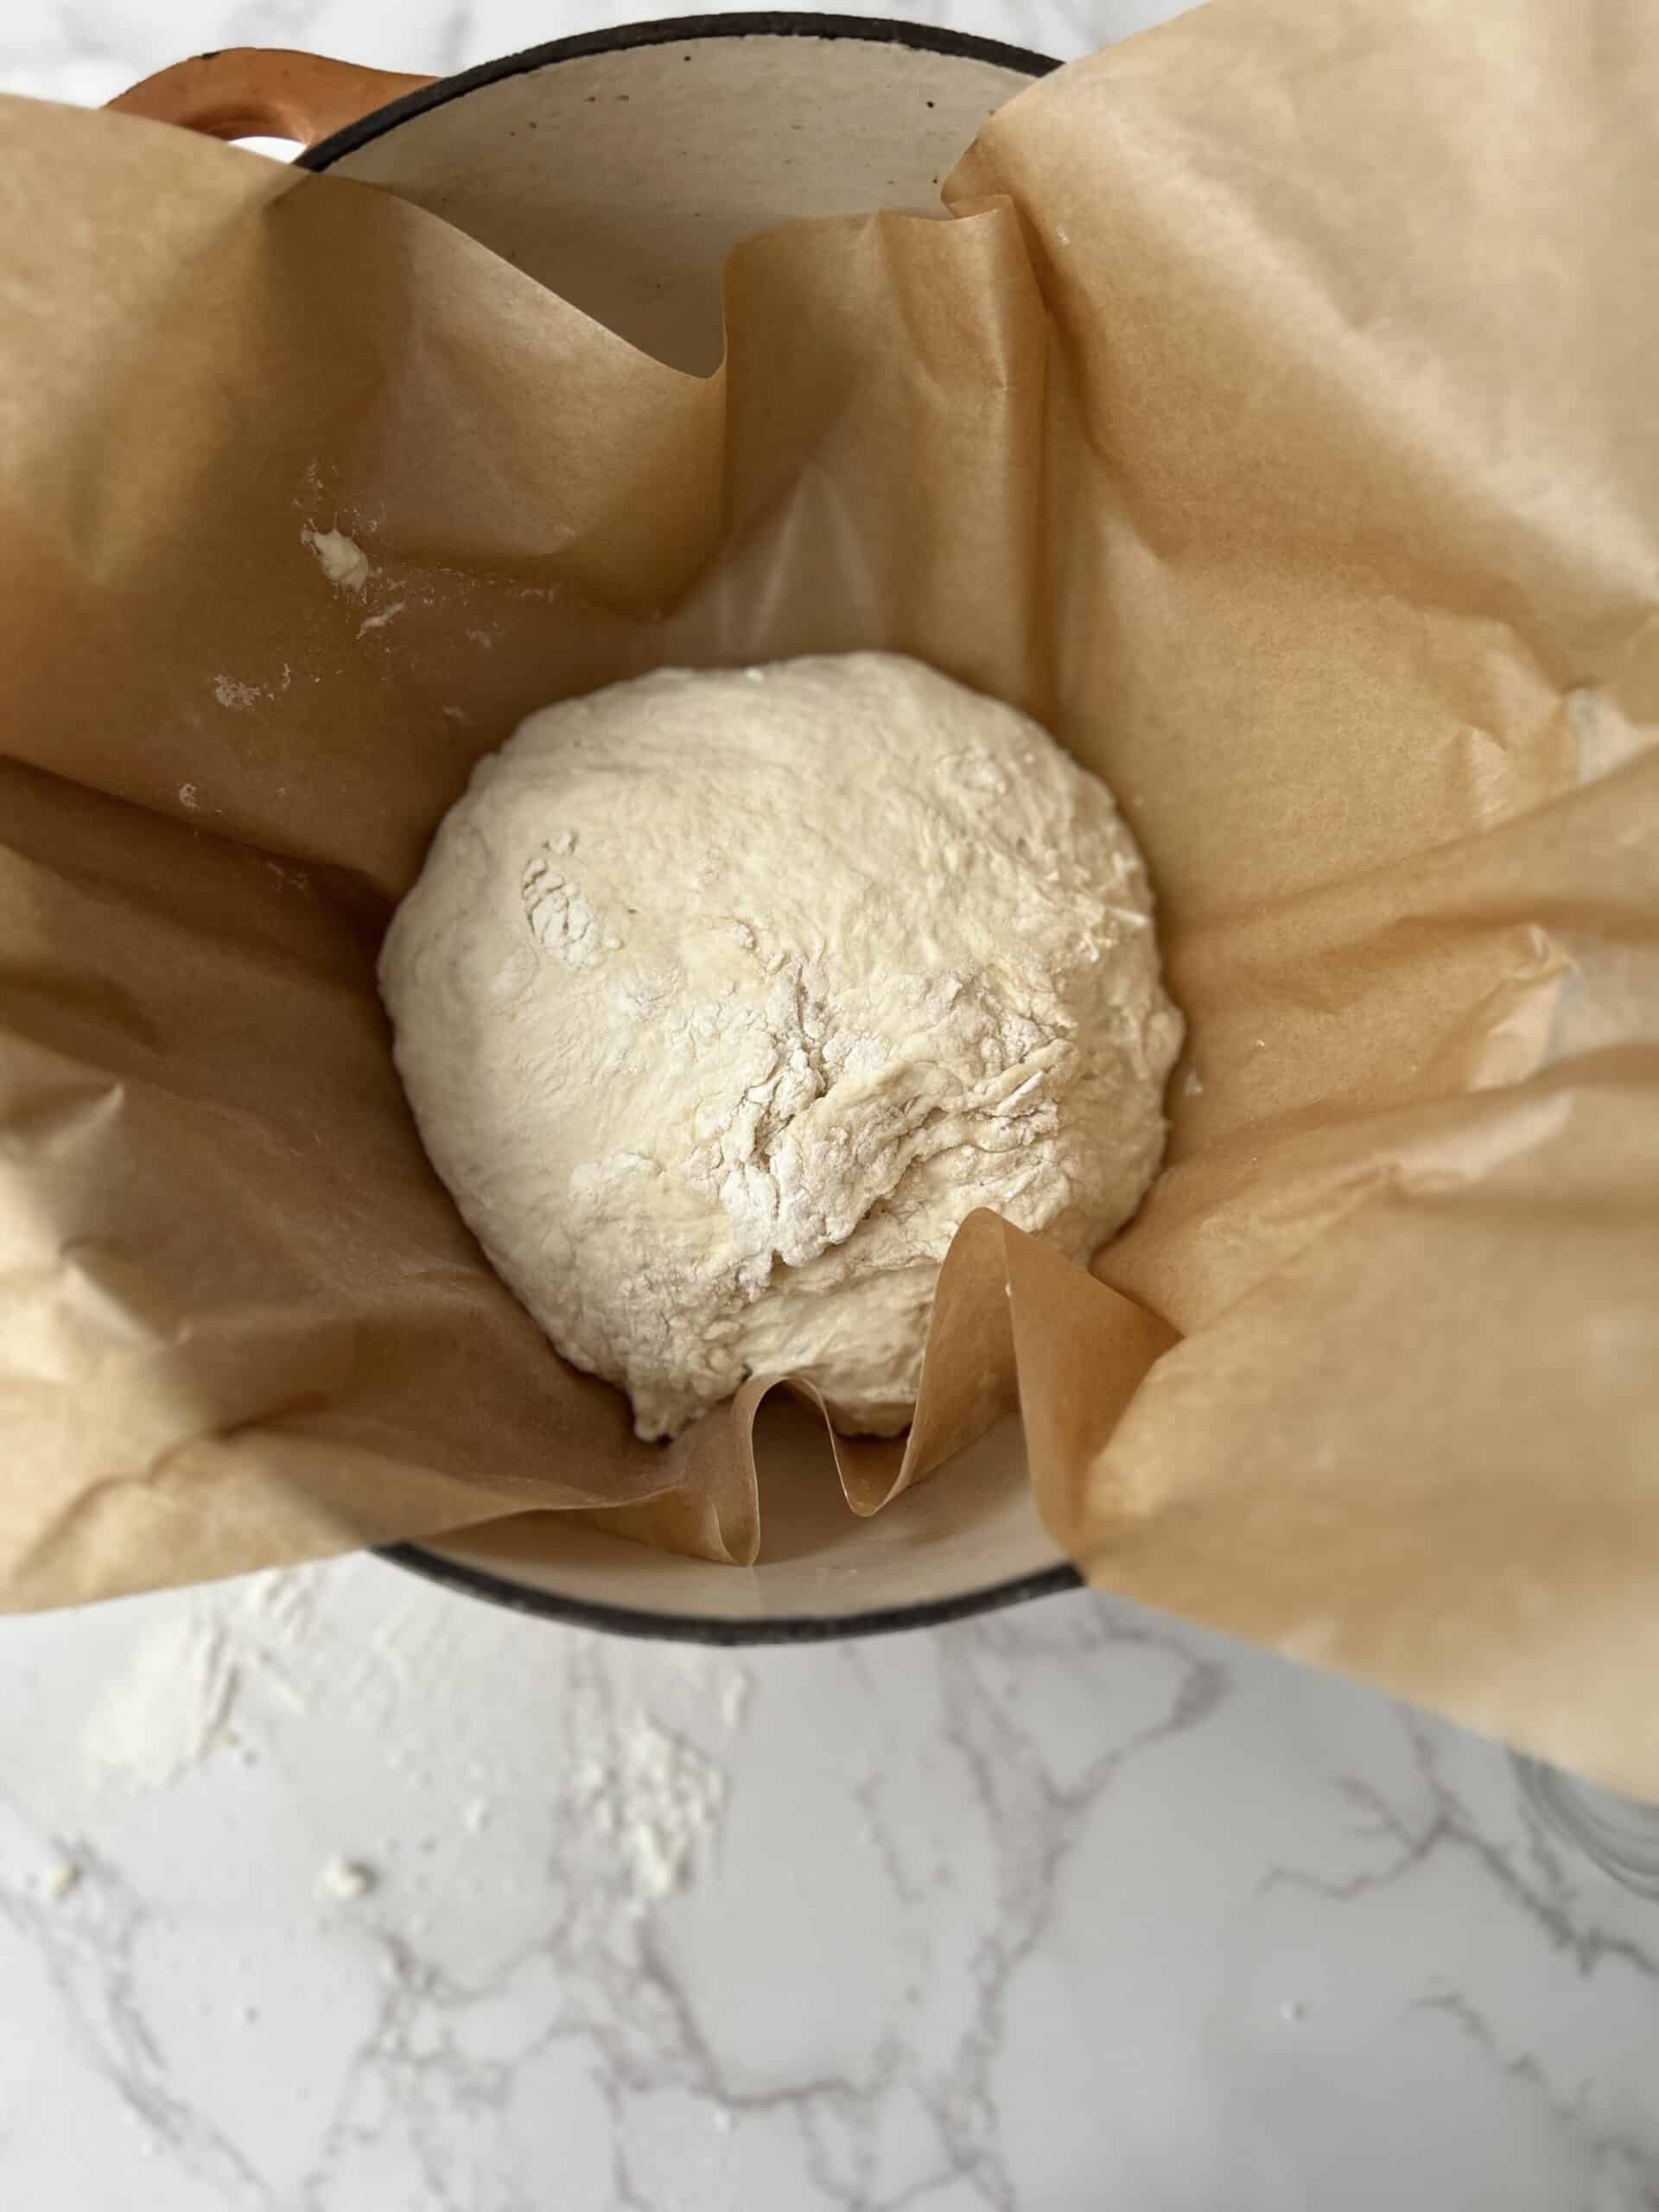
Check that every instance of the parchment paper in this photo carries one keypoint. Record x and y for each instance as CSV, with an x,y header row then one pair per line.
x,y
1273,420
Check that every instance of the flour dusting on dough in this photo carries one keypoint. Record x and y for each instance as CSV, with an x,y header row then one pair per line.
x,y
848,953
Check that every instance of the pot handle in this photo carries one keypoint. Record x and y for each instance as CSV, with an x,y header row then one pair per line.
x,y
254,92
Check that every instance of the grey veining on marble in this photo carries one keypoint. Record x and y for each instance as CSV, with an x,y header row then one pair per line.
x,y
1066,1907
326,1892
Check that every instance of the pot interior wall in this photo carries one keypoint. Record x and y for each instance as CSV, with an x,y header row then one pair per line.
x,y
622,180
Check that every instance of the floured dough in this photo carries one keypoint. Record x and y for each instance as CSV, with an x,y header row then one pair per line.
x,y
722,999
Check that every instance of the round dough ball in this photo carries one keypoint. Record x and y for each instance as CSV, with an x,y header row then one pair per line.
x,y
724,998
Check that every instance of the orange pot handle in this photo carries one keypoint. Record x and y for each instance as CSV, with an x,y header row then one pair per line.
x,y
256,92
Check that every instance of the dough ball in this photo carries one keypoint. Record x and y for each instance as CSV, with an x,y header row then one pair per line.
x,y
723,998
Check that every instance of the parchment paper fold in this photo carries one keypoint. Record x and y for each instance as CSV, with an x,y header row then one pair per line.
x,y
1273,419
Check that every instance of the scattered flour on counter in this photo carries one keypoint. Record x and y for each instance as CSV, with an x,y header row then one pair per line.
x,y
189,796
379,622
655,1798
346,1878
163,1715
197,1683
341,559
1191,1088
692,1683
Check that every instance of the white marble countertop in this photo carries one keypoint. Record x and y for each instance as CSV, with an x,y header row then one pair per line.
x,y
329,1893
326,1892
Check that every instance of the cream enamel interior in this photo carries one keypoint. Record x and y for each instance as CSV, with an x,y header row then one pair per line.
x,y
623,179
